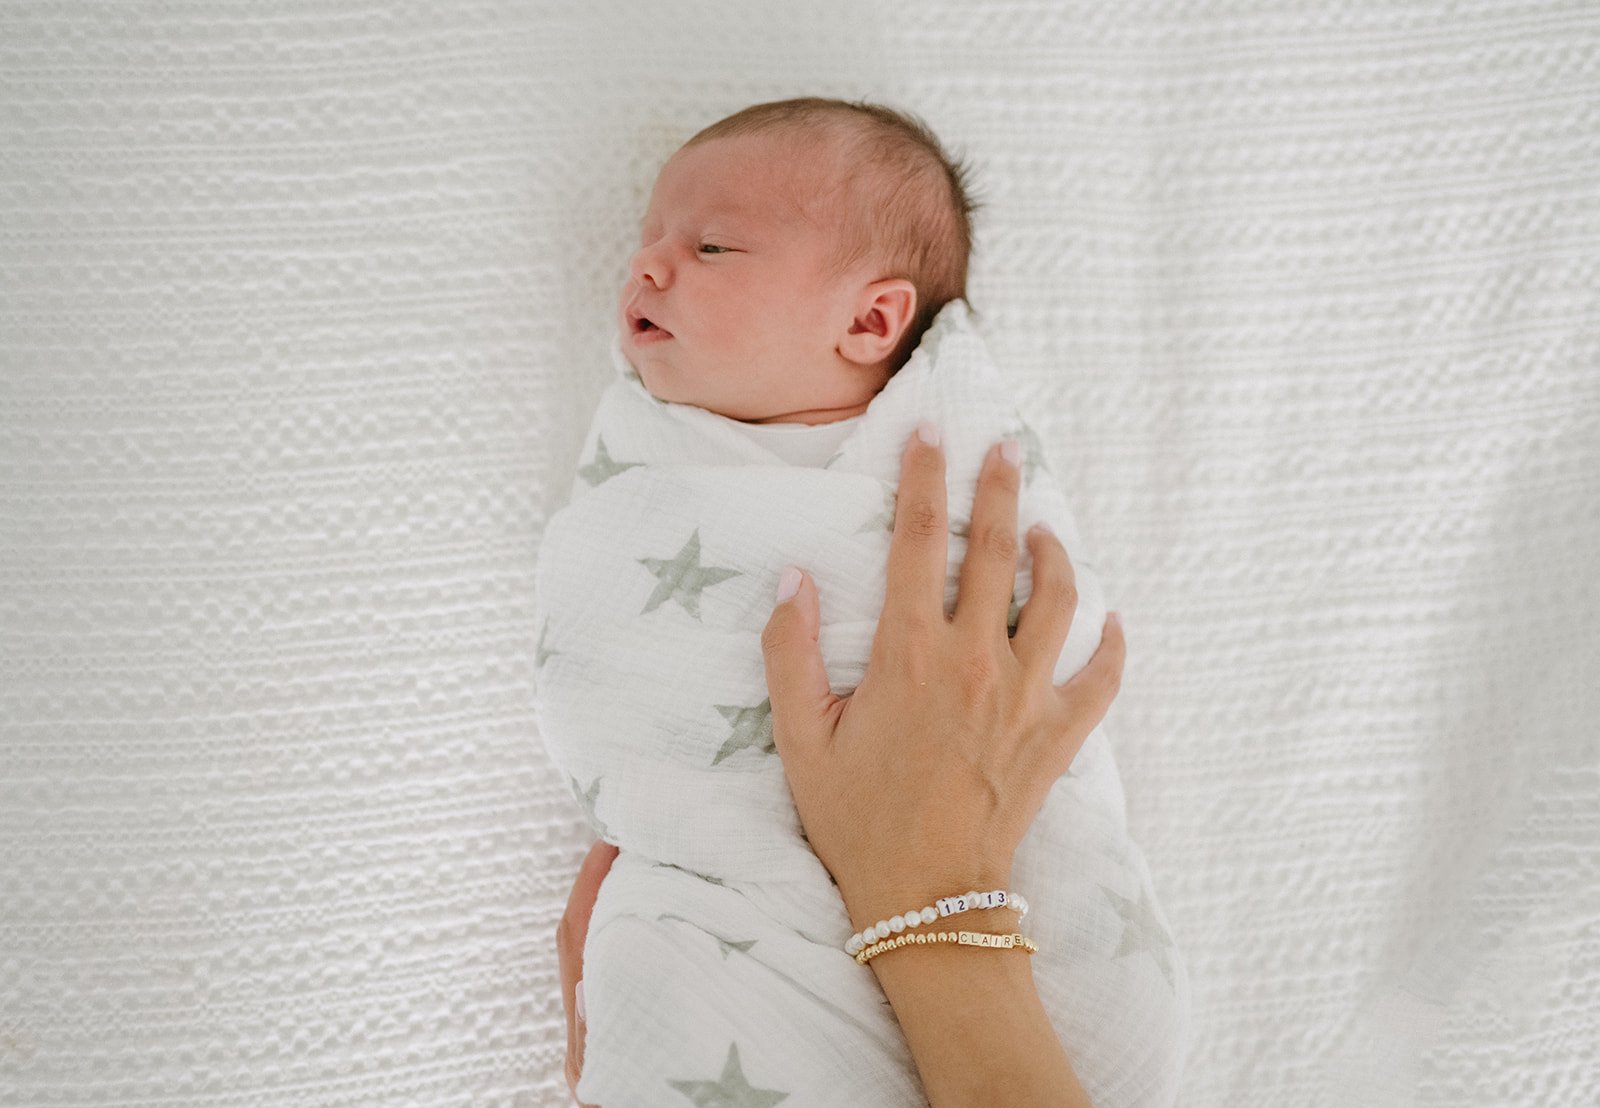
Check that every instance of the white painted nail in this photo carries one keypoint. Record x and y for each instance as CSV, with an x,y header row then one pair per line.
x,y
788,585
578,992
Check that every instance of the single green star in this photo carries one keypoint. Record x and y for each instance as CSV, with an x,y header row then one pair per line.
x,y
1143,931
633,375
884,520
541,655
1033,458
602,468
727,946
690,872
752,729
588,799
731,1090
683,578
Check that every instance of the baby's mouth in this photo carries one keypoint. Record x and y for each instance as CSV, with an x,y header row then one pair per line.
x,y
646,325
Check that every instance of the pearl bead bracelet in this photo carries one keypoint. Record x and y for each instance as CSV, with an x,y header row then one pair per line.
x,y
945,906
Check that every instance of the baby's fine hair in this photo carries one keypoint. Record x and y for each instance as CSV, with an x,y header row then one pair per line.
x,y
888,183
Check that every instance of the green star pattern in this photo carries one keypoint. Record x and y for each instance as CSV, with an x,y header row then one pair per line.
x,y
1143,931
602,468
683,578
541,655
588,799
726,946
752,729
731,1090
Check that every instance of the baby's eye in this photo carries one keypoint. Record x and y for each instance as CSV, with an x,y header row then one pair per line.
x,y
724,249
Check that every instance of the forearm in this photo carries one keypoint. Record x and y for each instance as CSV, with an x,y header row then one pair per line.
x,y
974,1022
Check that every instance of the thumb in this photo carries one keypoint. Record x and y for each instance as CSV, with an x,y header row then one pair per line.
x,y
797,682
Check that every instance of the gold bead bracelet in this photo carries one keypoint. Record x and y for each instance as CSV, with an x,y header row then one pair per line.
x,y
961,938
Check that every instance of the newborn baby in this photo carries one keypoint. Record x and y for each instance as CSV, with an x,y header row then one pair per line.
x,y
795,307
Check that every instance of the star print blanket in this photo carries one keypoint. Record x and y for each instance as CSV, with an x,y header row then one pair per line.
x,y
714,968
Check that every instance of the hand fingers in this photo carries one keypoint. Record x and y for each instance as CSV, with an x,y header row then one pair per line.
x,y
797,680
989,568
566,959
919,552
585,890
1046,618
571,934
1087,696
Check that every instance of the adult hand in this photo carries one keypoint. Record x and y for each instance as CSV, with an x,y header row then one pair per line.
x,y
923,780
570,936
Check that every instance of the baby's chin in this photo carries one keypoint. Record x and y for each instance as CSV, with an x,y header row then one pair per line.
x,y
657,385
667,388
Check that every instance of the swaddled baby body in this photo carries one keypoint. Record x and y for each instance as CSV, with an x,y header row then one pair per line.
x,y
762,425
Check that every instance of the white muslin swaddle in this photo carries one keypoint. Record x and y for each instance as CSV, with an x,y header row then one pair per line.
x,y
714,968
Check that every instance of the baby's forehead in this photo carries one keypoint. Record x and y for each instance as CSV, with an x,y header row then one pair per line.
x,y
772,177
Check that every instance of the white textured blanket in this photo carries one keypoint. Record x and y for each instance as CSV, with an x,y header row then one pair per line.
x,y
291,301
714,956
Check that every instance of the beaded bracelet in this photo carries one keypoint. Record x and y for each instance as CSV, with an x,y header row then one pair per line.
x,y
945,906
964,938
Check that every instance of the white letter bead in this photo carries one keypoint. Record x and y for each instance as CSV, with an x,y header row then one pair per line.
x,y
897,924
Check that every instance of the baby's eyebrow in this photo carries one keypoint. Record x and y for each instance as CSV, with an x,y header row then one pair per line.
x,y
741,214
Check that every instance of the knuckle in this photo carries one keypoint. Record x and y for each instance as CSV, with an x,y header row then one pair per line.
x,y
1107,681
770,635
1068,593
998,542
1063,588
777,634
922,519
979,678
1114,673
1050,548
919,628
1056,593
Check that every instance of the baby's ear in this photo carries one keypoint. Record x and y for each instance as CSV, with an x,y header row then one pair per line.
x,y
882,317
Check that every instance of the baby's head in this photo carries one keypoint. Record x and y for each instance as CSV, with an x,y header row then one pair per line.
x,y
795,252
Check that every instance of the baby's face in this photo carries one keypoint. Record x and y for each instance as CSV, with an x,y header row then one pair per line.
x,y
733,275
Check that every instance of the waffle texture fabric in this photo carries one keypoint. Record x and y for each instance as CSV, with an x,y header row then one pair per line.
x,y
303,313
715,945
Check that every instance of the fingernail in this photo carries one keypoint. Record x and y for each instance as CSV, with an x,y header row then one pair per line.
x,y
1043,528
1116,617
788,584
928,433
1011,452
578,992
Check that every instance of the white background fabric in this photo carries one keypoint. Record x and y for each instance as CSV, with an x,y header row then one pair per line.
x,y
303,311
